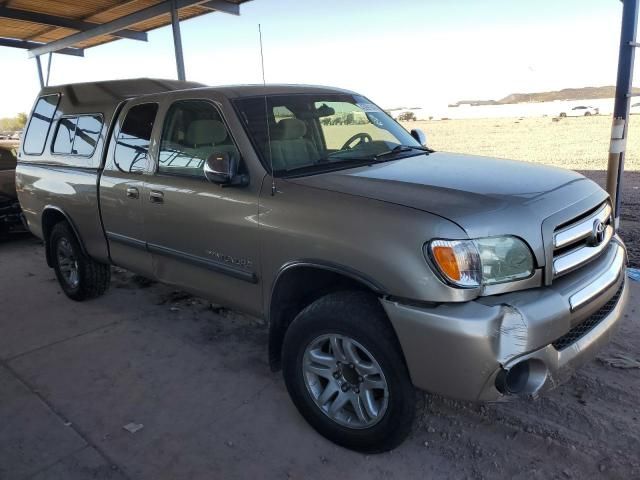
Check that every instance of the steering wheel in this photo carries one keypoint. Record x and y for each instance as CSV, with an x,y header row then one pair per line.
x,y
362,136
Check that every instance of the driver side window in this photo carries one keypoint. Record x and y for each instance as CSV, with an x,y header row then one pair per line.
x,y
193,130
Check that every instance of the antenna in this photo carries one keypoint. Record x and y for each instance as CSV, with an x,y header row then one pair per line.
x,y
266,116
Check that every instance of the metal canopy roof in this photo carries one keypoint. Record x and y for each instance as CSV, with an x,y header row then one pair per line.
x,y
70,26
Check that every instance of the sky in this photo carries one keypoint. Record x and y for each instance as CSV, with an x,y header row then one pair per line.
x,y
402,53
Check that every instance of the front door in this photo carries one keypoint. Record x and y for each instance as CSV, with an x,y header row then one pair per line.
x,y
202,236
122,185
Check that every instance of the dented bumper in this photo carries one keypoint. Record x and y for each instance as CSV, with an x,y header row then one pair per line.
x,y
460,349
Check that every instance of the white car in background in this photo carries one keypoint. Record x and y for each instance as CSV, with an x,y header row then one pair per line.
x,y
635,108
580,111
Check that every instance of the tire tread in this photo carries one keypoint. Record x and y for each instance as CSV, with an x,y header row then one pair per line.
x,y
94,276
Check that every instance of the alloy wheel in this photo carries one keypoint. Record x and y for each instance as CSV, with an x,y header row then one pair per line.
x,y
68,263
345,381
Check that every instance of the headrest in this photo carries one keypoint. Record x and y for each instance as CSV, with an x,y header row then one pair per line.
x,y
292,129
205,132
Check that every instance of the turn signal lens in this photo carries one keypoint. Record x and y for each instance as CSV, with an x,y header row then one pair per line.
x,y
458,261
445,257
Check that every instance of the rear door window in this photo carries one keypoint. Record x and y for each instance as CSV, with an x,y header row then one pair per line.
x,y
40,124
132,143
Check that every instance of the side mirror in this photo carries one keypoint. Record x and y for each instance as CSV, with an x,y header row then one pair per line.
x,y
222,168
420,136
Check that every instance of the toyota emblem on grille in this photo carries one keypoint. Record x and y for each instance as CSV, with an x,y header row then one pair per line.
x,y
598,234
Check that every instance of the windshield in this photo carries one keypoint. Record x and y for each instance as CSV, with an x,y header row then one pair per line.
x,y
308,133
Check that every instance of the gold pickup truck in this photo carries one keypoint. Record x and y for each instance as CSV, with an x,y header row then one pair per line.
x,y
379,264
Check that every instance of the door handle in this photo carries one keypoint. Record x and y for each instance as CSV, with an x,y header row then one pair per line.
x,y
156,196
132,192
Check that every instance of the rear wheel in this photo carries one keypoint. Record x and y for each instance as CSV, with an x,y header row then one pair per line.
x,y
80,277
345,373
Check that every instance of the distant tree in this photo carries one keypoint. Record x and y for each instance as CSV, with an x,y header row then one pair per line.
x,y
407,117
349,120
22,119
12,124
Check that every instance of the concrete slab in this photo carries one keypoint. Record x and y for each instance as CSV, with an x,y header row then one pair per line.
x,y
83,465
39,318
132,373
32,437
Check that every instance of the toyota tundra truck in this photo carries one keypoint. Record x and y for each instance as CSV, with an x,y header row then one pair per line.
x,y
380,265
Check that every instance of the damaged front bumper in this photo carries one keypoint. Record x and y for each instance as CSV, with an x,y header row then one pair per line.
x,y
522,342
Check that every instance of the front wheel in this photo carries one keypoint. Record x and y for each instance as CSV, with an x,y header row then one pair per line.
x,y
345,372
80,277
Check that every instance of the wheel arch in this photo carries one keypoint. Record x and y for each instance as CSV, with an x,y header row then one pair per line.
x,y
300,283
52,215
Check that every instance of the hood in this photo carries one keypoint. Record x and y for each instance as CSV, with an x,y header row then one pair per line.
x,y
484,196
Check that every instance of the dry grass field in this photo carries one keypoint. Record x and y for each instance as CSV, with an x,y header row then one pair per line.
x,y
576,143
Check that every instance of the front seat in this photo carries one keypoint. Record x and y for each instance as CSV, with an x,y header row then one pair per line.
x,y
291,149
206,137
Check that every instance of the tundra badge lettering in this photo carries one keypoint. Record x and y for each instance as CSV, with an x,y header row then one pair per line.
x,y
240,262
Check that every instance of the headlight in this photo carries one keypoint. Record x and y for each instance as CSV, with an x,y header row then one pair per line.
x,y
484,261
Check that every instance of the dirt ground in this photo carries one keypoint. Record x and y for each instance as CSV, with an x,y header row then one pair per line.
x,y
197,379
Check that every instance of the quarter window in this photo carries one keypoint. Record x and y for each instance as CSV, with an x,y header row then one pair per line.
x,y
77,135
193,131
39,124
132,144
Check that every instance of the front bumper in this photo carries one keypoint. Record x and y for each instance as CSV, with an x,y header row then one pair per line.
x,y
460,349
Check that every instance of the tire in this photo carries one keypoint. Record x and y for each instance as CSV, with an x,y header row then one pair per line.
x,y
587,114
563,115
91,278
357,318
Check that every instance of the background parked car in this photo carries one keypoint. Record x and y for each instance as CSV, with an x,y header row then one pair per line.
x,y
635,108
10,213
580,111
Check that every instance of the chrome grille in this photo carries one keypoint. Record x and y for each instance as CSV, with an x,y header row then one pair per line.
x,y
580,241
579,331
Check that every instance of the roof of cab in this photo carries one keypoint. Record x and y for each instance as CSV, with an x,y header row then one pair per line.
x,y
117,90
236,91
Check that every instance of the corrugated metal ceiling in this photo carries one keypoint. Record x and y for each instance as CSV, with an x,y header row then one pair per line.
x,y
95,11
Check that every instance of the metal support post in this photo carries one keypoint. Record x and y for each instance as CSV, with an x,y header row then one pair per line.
x,y
46,82
40,71
177,40
622,103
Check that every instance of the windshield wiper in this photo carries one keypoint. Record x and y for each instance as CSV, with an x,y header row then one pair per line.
x,y
400,149
323,167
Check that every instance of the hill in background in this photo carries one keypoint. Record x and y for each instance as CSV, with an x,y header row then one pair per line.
x,y
584,93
